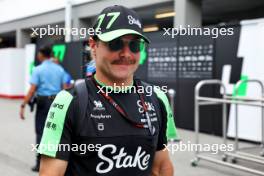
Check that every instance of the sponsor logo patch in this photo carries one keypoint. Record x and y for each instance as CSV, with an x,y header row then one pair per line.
x,y
132,20
98,105
100,116
121,159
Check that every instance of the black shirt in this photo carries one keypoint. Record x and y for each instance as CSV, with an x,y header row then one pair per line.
x,y
105,143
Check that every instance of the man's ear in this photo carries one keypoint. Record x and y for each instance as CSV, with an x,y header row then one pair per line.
x,y
92,43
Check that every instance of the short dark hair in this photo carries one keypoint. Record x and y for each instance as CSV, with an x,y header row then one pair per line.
x,y
95,37
45,51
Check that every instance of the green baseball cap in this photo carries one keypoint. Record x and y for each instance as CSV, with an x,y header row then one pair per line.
x,y
116,21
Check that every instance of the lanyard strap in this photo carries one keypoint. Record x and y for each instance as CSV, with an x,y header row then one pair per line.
x,y
117,106
151,129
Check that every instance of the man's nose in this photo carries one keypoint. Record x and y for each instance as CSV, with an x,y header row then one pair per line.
x,y
126,52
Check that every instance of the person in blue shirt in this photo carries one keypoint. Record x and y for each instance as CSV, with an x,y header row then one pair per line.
x,y
46,81
68,78
90,68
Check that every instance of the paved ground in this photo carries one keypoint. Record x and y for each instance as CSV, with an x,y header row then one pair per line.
x,y
16,157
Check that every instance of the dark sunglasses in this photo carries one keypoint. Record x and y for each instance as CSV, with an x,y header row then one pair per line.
x,y
135,45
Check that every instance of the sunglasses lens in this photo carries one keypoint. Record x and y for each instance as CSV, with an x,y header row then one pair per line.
x,y
136,46
115,45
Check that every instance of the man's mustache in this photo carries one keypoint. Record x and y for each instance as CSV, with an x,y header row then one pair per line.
x,y
124,61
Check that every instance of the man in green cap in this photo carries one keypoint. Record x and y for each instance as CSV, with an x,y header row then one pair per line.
x,y
120,133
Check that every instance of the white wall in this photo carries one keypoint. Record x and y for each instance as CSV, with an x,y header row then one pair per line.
x,y
251,48
12,72
30,50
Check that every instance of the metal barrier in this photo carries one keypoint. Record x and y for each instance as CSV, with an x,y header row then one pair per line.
x,y
237,153
200,101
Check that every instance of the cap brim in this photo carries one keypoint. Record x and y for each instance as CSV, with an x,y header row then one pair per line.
x,y
108,36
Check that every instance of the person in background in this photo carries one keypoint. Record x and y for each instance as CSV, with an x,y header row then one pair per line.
x,y
90,68
67,75
46,81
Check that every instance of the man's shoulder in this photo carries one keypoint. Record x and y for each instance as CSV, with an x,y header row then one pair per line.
x,y
42,66
49,64
158,90
144,83
37,69
70,93
57,66
65,95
